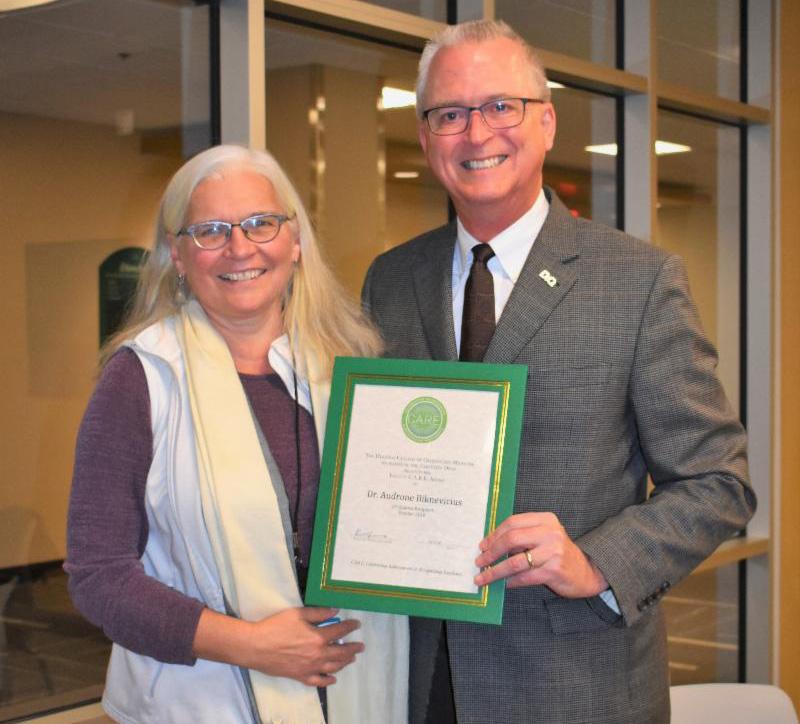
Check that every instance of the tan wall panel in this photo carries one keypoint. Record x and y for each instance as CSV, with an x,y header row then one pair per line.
x,y
351,222
290,99
411,209
690,230
72,193
789,186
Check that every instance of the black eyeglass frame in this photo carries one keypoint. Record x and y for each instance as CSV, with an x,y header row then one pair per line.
x,y
229,226
469,109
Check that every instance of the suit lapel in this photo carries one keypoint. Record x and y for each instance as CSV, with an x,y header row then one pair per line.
x,y
547,276
433,279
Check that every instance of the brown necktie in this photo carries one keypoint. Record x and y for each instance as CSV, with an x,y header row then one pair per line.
x,y
477,326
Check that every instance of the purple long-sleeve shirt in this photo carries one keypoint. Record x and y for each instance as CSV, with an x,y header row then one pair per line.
x,y
107,526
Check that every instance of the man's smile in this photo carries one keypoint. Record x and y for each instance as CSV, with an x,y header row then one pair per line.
x,y
477,164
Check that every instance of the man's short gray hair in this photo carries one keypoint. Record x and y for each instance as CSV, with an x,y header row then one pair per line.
x,y
476,31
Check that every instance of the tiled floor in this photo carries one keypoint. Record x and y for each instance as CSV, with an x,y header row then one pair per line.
x,y
50,657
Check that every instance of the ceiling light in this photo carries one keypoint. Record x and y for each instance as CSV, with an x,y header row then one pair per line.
x,y
606,149
398,98
663,148
406,174
6,5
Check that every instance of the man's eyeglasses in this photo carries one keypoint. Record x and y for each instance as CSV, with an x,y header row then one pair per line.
x,y
259,228
497,114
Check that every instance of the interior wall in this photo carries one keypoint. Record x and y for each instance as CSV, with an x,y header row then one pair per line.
x,y
788,187
690,230
322,126
412,208
72,194
353,213
290,99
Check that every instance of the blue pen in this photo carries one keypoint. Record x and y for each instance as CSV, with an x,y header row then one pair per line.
x,y
329,622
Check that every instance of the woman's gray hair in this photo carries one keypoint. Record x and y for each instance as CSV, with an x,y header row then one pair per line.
x,y
476,31
317,310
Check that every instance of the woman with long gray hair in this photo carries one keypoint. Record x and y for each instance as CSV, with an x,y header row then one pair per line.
x,y
197,467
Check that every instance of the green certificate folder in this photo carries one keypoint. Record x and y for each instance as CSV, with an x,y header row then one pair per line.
x,y
419,464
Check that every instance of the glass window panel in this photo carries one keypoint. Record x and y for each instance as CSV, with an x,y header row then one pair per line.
x,y
584,29
431,9
101,102
698,218
355,160
586,182
698,45
703,627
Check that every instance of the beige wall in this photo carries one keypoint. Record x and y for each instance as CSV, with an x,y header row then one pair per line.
x,y
322,126
690,230
291,95
352,219
412,208
789,357
72,194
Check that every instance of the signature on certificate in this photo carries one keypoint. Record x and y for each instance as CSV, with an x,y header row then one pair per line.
x,y
449,545
371,536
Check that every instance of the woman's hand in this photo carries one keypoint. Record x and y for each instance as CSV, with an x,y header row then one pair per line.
x,y
291,644
288,644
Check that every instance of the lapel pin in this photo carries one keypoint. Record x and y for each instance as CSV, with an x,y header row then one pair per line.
x,y
548,278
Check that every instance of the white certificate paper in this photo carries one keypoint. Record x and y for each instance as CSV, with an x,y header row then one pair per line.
x,y
414,488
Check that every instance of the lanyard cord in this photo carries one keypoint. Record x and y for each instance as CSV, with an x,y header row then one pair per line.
x,y
295,515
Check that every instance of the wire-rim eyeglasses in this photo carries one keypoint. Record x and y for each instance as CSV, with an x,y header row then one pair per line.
x,y
498,114
258,228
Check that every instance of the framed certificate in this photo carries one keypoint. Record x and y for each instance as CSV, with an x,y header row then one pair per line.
x,y
419,464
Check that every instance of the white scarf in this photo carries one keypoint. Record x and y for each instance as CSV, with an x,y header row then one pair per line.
x,y
247,537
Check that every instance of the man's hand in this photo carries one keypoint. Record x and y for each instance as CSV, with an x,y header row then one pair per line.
x,y
539,553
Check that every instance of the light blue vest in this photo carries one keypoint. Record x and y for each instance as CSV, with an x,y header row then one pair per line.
x,y
139,689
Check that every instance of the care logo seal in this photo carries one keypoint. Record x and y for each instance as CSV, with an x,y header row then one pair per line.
x,y
424,419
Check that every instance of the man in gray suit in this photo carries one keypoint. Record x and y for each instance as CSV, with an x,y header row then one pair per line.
x,y
621,384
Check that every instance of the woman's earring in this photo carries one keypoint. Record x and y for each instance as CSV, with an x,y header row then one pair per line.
x,y
182,291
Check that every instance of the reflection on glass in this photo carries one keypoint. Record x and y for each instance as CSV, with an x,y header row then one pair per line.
x,y
349,142
581,28
51,656
698,218
586,182
698,45
431,9
101,101
702,627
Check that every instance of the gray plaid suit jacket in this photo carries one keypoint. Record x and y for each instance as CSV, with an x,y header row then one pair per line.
x,y
621,383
